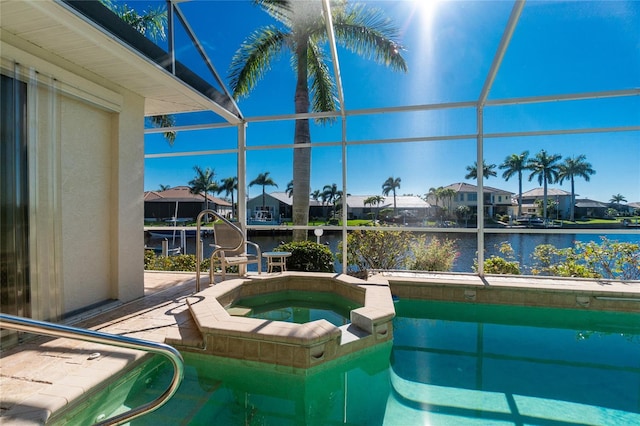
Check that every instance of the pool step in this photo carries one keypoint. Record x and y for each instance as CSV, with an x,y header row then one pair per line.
x,y
351,333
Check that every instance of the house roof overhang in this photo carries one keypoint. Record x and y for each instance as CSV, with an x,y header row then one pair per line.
x,y
92,38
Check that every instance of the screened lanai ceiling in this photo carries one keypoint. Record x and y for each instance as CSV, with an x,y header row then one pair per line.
x,y
544,74
456,51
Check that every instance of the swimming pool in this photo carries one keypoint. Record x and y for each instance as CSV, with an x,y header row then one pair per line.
x,y
449,364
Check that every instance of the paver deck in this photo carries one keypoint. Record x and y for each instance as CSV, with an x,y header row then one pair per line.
x,y
43,374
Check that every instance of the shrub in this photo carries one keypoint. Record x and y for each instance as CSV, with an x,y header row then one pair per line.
x,y
609,259
308,256
183,262
149,259
495,264
373,249
434,255
499,265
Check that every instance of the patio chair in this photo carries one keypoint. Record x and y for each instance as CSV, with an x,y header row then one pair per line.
x,y
230,246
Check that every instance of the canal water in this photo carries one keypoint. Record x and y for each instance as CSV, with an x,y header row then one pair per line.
x,y
466,244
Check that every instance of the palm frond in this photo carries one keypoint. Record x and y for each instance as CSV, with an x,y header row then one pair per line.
x,y
253,59
165,121
323,88
367,32
280,10
150,22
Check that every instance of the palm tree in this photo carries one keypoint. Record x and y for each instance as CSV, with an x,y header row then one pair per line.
x,y
150,23
330,194
289,190
316,195
487,170
164,187
377,200
303,32
228,186
545,167
572,167
448,193
513,165
338,202
390,185
618,199
435,193
263,180
203,183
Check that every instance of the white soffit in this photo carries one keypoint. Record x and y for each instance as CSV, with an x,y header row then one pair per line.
x,y
58,30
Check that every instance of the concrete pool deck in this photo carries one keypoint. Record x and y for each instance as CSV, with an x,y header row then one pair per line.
x,y
43,375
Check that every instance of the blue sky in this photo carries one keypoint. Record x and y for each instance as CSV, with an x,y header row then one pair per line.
x,y
557,48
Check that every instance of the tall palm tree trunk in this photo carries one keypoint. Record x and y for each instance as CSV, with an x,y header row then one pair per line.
x,y
544,200
573,201
519,194
301,156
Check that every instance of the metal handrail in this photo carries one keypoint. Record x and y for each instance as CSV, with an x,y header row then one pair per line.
x,y
58,330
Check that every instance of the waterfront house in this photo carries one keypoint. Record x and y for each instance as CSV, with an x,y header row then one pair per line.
x,y
555,197
181,204
276,208
586,208
411,206
496,201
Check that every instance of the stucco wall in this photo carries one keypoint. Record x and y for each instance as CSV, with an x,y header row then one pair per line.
x,y
91,205
86,138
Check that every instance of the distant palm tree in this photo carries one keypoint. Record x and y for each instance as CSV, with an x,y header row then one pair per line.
x,y
572,167
515,164
487,171
338,202
263,180
289,190
390,185
435,193
164,187
203,183
377,200
302,30
316,195
229,186
545,168
330,194
618,199
448,194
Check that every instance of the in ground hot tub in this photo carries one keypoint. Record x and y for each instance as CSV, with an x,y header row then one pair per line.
x,y
229,331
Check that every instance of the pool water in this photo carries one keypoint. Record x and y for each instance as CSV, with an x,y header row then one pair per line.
x,y
299,307
449,364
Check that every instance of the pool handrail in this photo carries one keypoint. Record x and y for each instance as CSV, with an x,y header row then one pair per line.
x,y
59,330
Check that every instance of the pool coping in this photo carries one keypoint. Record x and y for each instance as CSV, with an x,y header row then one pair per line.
x,y
553,292
290,344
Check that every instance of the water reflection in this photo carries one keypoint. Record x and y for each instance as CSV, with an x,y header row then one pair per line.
x,y
522,244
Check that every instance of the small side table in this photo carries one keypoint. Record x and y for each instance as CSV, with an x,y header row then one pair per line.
x,y
276,258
